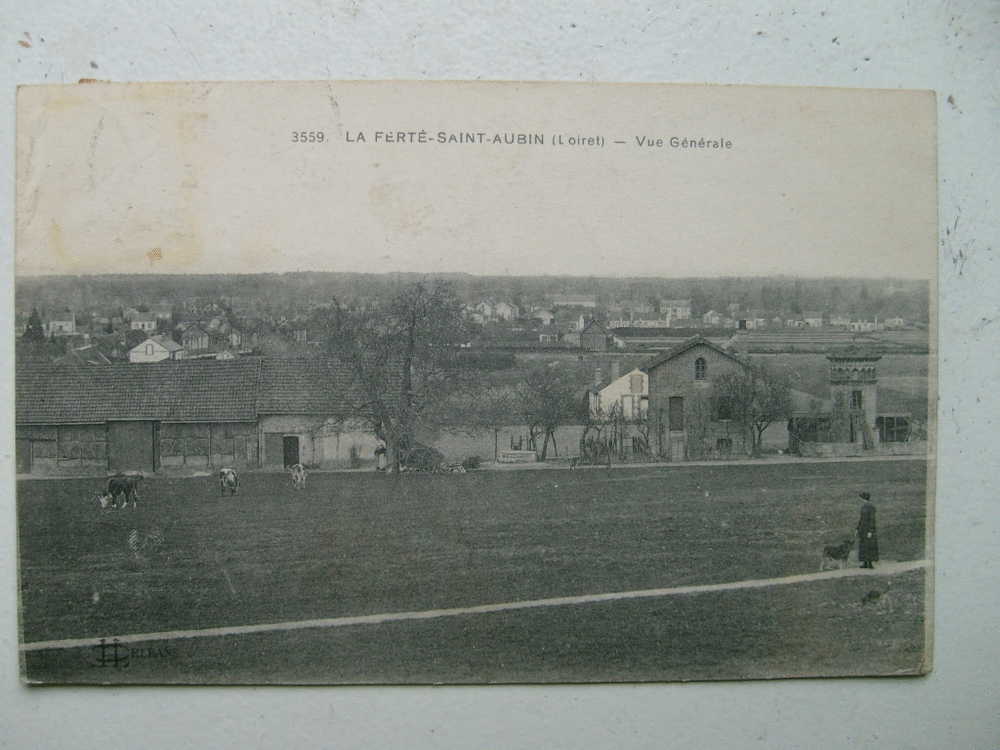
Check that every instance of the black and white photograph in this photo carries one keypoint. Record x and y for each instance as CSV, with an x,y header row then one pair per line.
x,y
474,383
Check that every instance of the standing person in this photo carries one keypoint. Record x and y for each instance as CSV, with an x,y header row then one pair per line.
x,y
380,456
867,534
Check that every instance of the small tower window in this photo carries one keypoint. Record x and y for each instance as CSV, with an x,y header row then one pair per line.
x,y
856,400
699,368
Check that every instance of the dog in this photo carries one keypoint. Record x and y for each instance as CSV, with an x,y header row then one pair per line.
x,y
881,601
229,480
298,472
836,555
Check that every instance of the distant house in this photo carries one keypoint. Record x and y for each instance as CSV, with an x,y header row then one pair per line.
x,y
639,323
675,309
895,323
813,319
575,300
162,311
863,326
156,349
712,318
129,313
143,321
751,323
505,311
62,323
629,394
595,337
548,334
544,316
195,338
840,320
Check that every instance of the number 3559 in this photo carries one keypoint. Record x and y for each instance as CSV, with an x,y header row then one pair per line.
x,y
308,136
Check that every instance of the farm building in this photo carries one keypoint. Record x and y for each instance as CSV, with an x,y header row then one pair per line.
x,y
187,414
308,413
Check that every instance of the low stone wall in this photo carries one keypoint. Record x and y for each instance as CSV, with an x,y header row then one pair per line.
x,y
845,450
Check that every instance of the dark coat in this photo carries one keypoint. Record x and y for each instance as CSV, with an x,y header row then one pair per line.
x,y
867,535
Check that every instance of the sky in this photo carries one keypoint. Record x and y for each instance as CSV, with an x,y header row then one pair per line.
x,y
599,179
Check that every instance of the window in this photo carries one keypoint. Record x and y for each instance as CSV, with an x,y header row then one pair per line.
x,y
699,368
149,349
893,429
856,400
723,409
635,383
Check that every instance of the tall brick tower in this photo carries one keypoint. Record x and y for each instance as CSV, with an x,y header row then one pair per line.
x,y
854,393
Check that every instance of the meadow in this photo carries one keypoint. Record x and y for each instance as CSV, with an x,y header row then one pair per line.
x,y
356,544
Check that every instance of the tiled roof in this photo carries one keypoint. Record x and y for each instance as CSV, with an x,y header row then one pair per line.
x,y
683,347
193,391
307,386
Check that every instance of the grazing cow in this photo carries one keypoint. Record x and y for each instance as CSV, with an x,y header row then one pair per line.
x,y
298,472
229,480
125,486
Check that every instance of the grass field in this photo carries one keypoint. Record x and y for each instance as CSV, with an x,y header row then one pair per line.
x,y
357,544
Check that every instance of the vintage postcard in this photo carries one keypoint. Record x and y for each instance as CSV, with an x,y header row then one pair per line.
x,y
413,382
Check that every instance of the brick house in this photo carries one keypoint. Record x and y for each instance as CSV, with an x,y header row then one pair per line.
x,y
686,421
595,337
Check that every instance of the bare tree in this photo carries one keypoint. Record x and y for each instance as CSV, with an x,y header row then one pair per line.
x,y
548,401
754,396
403,357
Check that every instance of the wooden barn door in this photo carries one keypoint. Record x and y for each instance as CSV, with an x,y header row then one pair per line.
x,y
678,438
132,446
290,450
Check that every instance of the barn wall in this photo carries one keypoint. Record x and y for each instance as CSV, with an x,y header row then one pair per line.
x,y
208,445
53,449
303,426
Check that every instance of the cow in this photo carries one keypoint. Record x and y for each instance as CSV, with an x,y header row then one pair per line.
x,y
298,472
125,486
228,480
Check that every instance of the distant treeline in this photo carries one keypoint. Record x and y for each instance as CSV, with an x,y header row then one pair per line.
x,y
294,292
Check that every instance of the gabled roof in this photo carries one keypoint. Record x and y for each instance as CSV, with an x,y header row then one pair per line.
x,y
183,391
84,355
165,341
595,326
685,346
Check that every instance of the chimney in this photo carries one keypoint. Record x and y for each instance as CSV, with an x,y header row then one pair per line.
x,y
616,369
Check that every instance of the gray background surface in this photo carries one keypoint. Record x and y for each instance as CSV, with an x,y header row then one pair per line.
x,y
952,47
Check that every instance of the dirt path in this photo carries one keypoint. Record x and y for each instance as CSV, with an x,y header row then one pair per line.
x,y
884,569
